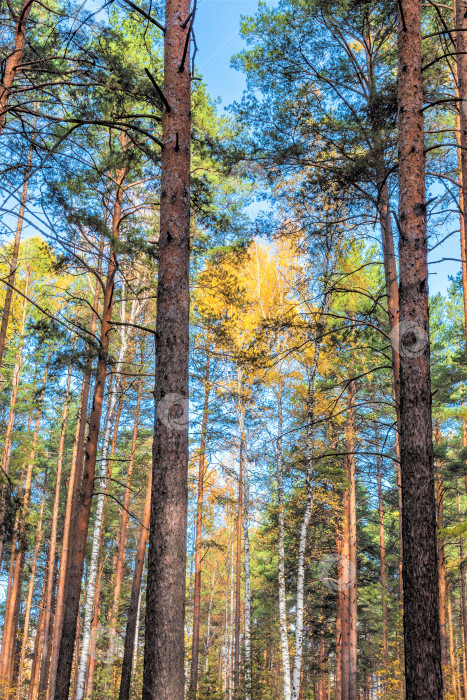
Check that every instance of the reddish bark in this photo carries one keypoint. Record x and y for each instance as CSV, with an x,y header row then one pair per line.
x,y
164,672
14,59
420,570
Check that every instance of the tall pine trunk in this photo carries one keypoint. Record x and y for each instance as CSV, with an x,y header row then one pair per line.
x,y
420,571
164,670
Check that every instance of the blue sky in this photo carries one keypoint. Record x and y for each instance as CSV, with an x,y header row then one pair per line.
x,y
217,35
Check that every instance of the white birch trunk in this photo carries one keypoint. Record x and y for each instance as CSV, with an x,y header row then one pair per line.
x,y
246,569
246,541
98,519
208,632
299,625
231,637
226,632
281,553
136,646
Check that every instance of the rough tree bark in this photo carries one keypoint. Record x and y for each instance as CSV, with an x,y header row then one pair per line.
x,y
420,571
15,57
163,676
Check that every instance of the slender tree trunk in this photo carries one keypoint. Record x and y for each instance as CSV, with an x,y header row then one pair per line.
x,y
199,535
441,571
460,23
28,606
238,581
14,590
71,607
53,543
208,630
339,615
14,59
300,600
382,557
5,466
72,506
421,590
281,552
352,568
246,546
452,658
95,626
137,628
14,262
231,635
463,606
123,528
98,530
125,681
36,658
164,674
